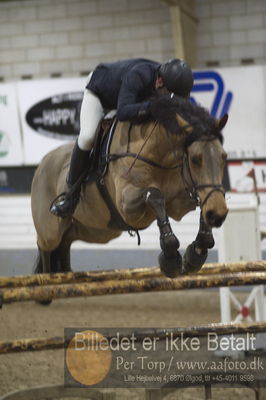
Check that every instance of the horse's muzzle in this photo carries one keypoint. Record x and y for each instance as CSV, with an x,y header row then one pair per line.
x,y
215,220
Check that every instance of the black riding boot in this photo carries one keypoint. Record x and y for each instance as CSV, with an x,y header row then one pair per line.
x,y
65,204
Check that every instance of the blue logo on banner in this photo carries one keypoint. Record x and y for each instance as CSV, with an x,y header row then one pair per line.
x,y
211,81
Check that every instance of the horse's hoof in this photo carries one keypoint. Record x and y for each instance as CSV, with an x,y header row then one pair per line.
x,y
192,261
169,244
170,266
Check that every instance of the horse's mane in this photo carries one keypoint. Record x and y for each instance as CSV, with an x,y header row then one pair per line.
x,y
165,108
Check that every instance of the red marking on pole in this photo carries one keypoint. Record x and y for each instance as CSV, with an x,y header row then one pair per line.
x,y
245,311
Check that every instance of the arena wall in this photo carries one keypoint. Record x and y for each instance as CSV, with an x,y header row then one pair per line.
x,y
69,37
42,39
230,32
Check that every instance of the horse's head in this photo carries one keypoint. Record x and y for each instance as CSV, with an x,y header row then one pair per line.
x,y
204,158
203,169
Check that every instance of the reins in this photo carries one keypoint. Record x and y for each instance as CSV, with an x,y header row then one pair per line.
x,y
140,150
137,156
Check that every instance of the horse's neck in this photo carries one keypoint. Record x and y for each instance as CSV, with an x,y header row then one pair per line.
x,y
155,143
148,140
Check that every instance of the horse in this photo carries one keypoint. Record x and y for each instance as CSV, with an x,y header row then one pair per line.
x,y
163,166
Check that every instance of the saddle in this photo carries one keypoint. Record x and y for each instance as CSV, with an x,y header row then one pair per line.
x,y
101,147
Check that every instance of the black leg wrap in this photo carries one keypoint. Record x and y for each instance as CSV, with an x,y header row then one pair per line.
x,y
192,260
205,240
170,260
170,266
169,243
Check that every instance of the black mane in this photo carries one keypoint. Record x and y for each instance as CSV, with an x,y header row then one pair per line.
x,y
165,108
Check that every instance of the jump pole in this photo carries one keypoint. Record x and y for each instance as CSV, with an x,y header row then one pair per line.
x,y
118,274
49,292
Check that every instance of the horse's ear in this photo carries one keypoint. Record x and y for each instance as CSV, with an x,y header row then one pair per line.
x,y
183,124
222,122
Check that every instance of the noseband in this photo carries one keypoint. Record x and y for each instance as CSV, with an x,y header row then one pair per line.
x,y
192,186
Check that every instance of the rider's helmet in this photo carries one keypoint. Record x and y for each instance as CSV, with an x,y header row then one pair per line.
x,y
177,76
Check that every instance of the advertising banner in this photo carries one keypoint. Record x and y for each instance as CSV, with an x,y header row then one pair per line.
x,y
240,92
247,176
10,136
49,114
16,180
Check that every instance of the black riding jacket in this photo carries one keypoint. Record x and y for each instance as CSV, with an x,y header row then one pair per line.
x,y
125,86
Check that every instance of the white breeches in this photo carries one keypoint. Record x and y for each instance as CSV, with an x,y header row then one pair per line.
x,y
90,115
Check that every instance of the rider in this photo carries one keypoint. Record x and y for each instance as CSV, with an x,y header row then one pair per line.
x,y
125,86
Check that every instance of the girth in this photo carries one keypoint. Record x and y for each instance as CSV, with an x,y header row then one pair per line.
x,y
116,221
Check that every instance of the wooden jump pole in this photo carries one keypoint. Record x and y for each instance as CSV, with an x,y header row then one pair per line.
x,y
54,343
116,274
49,292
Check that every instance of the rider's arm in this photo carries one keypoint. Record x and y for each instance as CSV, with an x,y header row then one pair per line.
x,y
133,85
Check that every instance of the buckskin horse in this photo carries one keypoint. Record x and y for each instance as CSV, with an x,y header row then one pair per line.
x,y
163,167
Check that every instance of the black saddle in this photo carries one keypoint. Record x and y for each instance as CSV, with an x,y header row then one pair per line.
x,y
101,149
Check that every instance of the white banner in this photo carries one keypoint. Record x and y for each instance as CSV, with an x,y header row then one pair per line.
x,y
239,91
49,114
10,137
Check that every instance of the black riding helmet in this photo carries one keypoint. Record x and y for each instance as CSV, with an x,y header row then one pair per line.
x,y
177,77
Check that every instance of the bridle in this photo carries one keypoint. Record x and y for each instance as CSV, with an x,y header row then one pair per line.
x,y
192,186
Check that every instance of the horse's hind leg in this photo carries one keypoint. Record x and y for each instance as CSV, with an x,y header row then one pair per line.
x,y
197,252
46,261
43,265
57,260
43,262
170,260
63,255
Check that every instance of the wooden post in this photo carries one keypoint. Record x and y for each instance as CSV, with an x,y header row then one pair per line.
x,y
153,394
184,24
208,392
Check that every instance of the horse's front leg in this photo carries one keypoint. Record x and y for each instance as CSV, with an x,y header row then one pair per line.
x,y
170,260
197,252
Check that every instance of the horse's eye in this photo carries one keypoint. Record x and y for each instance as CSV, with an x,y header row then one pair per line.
x,y
224,157
197,160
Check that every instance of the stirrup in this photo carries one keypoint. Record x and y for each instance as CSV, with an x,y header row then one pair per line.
x,y
59,206
64,205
